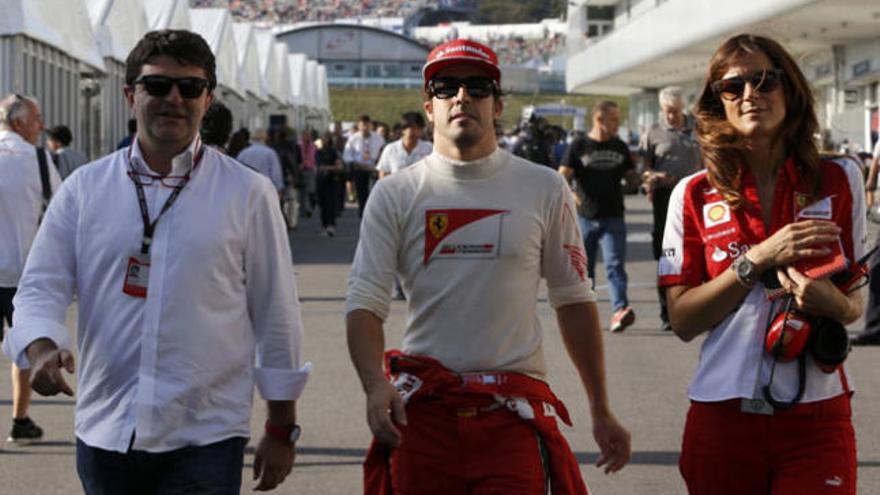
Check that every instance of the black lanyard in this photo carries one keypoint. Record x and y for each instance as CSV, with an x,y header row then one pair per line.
x,y
150,227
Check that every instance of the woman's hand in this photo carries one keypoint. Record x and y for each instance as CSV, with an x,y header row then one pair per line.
x,y
793,242
817,297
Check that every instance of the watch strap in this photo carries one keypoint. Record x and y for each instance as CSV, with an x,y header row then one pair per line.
x,y
288,434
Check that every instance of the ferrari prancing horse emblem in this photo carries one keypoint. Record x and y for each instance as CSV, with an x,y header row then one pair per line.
x,y
438,223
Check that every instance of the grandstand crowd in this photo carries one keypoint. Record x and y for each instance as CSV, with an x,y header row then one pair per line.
x,y
293,11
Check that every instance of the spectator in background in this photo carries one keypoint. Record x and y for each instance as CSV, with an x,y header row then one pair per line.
x,y
216,126
599,161
22,202
361,152
407,150
132,130
330,175
670,152
66,158
240,140
263,159
308,173
871,333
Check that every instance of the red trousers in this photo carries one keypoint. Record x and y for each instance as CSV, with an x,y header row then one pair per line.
x,y
809,449
450,450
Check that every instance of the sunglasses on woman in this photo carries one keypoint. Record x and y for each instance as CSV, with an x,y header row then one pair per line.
x,y
477,87
160,86
732,88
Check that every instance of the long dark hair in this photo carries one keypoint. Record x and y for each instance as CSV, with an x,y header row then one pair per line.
x,y
721,145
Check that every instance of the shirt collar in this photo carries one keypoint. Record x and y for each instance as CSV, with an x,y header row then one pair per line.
x,y
180,164
14,137
475,169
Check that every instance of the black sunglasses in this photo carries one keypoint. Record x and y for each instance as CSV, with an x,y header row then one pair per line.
x,y
477,87
159,86
732,88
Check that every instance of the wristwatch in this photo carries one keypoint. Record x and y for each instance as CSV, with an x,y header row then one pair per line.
x,y
287,434
746,271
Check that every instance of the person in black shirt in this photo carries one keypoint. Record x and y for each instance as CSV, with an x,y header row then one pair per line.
x,y
597,163
330,178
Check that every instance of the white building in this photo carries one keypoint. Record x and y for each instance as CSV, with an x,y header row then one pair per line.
x,y
48,50
215,26
118,25
644,45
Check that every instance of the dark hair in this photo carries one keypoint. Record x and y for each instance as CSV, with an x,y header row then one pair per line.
x,y
410,119
132,126
239,141
216,124
603,106
721,145
364,118
186,47
62,134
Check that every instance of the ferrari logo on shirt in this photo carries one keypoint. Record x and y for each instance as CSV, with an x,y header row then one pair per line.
x,y
716,213
800,201
437,224
462,233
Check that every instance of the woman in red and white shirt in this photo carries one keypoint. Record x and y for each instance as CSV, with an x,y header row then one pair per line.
x,y
765,202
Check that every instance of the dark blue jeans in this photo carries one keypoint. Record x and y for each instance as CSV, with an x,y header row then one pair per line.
x,y
610,234
213,469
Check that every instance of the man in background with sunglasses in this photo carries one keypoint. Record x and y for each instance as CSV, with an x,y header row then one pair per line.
x,y
25,184
181,264
470,230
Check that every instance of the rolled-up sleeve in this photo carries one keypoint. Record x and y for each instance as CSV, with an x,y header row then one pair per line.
x,y
47,283
272,301
375,260
563,260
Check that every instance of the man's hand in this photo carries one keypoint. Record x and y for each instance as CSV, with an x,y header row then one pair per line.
x,y
385,408
614,443
47,361
273,461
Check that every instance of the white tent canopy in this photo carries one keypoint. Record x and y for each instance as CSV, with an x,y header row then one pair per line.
x,y
62,24
248,58
283,64
167,14
311,92
297,66
323,90
269,70
118,25
215,26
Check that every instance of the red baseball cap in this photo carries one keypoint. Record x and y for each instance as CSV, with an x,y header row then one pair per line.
x,y
462,51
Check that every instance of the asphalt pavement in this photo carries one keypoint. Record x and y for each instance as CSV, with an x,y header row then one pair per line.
x,y
648,373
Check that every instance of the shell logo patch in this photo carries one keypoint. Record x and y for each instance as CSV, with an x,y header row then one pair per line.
x,y
438,224
719,255
716,213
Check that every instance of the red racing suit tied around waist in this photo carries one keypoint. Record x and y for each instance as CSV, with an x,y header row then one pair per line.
x,y
419,378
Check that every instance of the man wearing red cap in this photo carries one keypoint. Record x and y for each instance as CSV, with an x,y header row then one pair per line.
x,y
467,408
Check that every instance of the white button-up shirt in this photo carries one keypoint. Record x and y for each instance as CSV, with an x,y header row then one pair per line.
x,y
363,150
21,202
395,157
264,160
221,312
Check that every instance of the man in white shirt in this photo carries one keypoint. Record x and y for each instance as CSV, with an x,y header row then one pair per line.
x,y
22,200
180,261
263,159
469,410
407,150
361,152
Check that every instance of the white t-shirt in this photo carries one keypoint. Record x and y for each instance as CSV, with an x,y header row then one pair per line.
x,y
470,242
21,202
363,150
395,157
